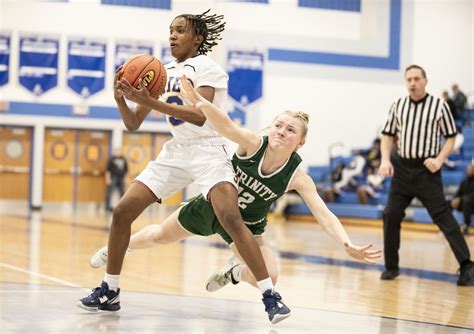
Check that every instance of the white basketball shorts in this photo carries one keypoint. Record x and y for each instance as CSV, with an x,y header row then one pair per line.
x,y
204,161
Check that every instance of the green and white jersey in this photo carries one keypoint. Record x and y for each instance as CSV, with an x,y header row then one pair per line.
x,y
257,191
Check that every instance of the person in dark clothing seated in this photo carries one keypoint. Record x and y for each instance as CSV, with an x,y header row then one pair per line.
x,y
463,200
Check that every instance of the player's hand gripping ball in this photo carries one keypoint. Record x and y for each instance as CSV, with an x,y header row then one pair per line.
x,y
147,68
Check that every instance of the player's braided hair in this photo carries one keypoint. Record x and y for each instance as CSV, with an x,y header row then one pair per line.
x,y
208,26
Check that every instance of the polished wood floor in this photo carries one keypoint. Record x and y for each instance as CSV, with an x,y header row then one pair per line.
x,y
44,270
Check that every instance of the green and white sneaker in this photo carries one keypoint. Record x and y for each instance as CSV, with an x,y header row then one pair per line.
x,y
223,276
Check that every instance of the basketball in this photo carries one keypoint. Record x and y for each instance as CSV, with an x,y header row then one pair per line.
x,y
149,69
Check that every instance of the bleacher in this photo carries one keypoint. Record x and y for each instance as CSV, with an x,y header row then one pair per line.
x,y
347,204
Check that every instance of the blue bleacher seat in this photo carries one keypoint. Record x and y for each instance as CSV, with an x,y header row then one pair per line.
x,y
467,116
319,173
420,215
452,177
342,210
348,197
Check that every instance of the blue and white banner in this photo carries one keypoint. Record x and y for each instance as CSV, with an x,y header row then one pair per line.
x,y
4,57
86,66
38,70
127,49
245,71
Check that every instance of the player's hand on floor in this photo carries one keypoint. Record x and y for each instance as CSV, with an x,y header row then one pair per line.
x,y
363,253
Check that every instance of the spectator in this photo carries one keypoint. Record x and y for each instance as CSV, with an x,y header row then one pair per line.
x,y
459,98
374,155
463,200
452,105
458,142
117,168
355,168
374,181
336,175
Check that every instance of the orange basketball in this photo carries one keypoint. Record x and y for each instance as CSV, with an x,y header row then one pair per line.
x,y
149,69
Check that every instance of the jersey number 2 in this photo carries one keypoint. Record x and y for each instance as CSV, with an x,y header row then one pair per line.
x,y
245,198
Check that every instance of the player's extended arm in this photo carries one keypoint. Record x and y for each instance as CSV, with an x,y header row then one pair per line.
x,y
305,186
220,121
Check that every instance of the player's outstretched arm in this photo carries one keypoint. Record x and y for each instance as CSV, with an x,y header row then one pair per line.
x,y
219,120
304,185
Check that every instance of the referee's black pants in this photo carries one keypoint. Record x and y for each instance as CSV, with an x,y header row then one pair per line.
x,y
412,179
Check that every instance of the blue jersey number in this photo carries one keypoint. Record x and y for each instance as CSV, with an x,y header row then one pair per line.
x,y
176,100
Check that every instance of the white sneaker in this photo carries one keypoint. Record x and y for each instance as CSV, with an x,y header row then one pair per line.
x,y
223,276
99,259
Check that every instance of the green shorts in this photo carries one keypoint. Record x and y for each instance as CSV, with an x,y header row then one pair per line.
x,y
198,217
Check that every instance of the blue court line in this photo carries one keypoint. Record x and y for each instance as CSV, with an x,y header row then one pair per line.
x,y
316,259
392,62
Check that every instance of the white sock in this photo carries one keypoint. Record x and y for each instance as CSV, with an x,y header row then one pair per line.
x,y
236,272
112,281
265,284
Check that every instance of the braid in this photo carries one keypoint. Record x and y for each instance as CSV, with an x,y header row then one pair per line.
x,y
208,26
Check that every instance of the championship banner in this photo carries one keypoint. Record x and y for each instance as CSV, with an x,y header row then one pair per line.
x,y
245,71
4,57
38,70
127,49
86,66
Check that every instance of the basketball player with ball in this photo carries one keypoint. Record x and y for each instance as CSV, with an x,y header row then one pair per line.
x,y
197,153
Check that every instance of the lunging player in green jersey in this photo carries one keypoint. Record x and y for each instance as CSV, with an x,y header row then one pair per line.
x,y
266,167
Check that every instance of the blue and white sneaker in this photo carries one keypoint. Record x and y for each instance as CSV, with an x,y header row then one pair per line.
x,y
101,299
274,306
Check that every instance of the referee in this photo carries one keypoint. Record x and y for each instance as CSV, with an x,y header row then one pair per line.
x,y
415,123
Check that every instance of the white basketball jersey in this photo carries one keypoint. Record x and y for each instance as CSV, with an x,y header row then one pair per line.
x,y
202,71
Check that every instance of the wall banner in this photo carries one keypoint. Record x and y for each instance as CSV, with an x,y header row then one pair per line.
x,y
4,57
86,66
127,49
38,65
245,69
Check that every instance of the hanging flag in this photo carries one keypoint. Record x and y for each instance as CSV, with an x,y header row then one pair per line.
x,y
38,69
127,49
4,57
86,66
245,71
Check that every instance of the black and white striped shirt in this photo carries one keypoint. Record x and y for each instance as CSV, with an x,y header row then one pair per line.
x,y
418,126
